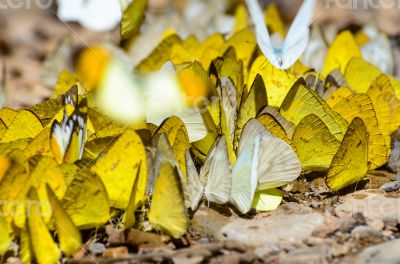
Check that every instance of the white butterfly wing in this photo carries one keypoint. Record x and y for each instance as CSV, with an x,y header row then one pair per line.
x,y
229,104
70,10
245,176
101,15
252,128
279,164
262,34
217,171
195,189
119,94
298,36
165,98
194,124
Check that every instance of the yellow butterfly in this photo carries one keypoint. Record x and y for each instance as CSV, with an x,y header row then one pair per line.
x,y
301,102
168,211
360,105
67,138
350,163
343,49
315,144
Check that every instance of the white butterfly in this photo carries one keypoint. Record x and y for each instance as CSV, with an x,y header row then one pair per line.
x,y
285,55
97,15
263,162
219,182
278,163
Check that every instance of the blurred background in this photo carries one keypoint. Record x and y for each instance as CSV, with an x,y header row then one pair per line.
x,y
31,30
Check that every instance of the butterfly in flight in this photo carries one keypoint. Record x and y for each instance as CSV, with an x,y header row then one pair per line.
x,y
283,56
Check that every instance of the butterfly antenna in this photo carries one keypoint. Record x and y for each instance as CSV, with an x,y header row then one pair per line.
x,y
287,74
266,67
249,42
310,186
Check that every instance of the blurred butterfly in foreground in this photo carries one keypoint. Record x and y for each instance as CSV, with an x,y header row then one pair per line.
x,y
99,15
68,136
287,53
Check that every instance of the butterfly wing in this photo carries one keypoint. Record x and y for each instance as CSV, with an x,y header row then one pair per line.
x,y
245,176
76,126
299,34
194,124
278,162
195,189
216,171
350,163
71,97
262,34
167,212
57,142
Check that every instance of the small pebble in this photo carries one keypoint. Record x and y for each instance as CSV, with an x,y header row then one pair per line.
x,y
315,204
390,186
96,248
13,260
363,232
203,240
387,233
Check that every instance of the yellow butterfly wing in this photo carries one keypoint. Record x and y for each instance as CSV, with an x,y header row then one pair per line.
x,y
315,144
244,43
44,249
135,200
301,102
202,147
287,125
159,56
19,128
278,82
122,159
5,238
168,212
338,95
250,105
267,200
68,235
350,163
360,105
25,247
341,51
43,170
229,66
132,19
241,18
273,126
383,97
178,138
360,74
85,200
274,20
7,115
